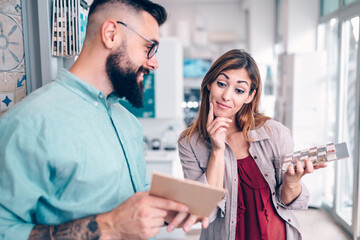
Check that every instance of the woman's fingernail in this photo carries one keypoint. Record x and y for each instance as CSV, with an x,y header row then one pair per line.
x,y
186,227
170,228
184,209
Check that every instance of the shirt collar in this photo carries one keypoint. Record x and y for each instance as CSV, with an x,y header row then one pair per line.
x,y
80,87
259,134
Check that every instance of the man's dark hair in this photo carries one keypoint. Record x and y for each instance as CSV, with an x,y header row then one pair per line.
x,y
156,10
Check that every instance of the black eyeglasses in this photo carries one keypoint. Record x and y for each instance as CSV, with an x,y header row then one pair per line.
x,y
154,47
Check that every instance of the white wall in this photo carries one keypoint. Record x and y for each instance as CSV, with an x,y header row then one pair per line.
x,y
223,21
303,84
300,25
219,16
261,30
169,79
169,92
228,26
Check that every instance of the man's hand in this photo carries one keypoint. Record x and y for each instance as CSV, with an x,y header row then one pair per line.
x,y
139,217
184,220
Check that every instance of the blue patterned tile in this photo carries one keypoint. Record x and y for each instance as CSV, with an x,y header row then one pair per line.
x,y
12,65
20,93
11,6
6,100
3,80
11,43
11,81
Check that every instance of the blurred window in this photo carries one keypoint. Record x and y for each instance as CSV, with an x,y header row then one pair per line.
x,y
338,36
328,6
348,111
328,42
346,2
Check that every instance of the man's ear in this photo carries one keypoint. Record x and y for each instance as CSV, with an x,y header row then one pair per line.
x,y
108,33
250,97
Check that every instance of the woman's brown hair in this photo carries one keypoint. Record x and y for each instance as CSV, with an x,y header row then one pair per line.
x,y
248,117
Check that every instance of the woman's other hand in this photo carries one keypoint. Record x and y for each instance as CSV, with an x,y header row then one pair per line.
x,y
291,187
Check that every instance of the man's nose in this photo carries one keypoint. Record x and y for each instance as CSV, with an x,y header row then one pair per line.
x,y
152,63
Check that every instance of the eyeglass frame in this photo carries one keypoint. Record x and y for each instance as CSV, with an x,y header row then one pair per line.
x,y
154,44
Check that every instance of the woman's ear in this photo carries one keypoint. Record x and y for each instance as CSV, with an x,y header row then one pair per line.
x,y
250,97
208,86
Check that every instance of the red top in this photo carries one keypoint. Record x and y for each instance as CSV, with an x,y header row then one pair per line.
x,y
256,215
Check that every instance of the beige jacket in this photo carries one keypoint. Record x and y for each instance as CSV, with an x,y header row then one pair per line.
x,y
270,143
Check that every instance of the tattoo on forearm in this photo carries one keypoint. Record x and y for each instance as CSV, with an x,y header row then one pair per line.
x,y
85,228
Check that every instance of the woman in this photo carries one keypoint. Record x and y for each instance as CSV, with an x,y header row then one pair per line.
x,y
234,146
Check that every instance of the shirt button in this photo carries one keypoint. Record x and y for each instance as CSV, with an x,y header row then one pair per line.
x,y
100,95
255,157
96,104
289,220
273,193
277,207
265,175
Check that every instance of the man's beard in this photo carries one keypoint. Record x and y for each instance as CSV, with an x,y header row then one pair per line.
x,y
123,76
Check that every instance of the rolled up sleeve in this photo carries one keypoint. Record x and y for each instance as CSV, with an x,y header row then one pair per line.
x,y
19,175
11,227
300,203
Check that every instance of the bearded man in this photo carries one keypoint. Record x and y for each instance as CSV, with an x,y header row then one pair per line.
x,y
71,157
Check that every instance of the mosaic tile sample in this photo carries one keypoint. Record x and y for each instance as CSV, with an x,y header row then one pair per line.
x,y
12,63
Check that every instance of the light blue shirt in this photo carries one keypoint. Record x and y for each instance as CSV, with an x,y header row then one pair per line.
x,y
66,152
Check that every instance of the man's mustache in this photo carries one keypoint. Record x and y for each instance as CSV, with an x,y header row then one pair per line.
x,y
146,71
